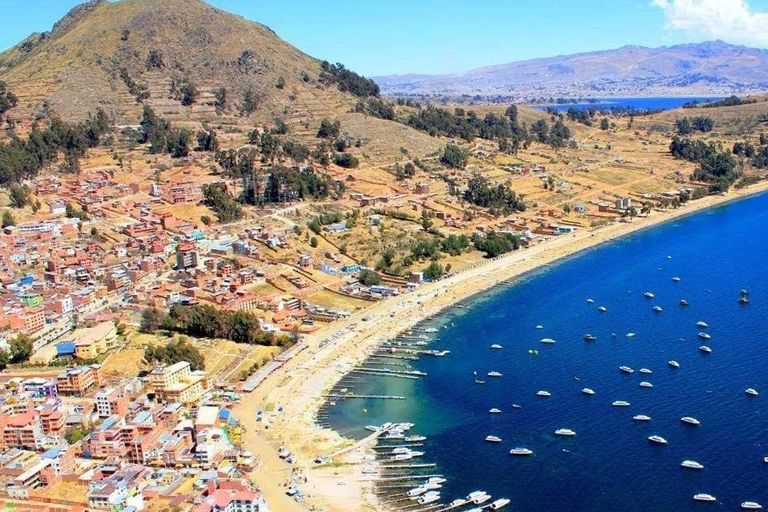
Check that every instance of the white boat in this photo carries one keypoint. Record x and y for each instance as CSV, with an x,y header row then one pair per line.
x,y
645,384
415,439
496,346
492,439
495,411
416,491
436,480
430,497
475,494
459,502
641,417
589,337
691,421
704,497
701,324
590,301
751,392
683,302
705,349
645,371
676,279
482,499
520,451
545,394
372,428
657,440
548,341
673,364
565,432
401,449
494,374
602,309
630,335
657,309
626,369
691,464
621,403
588,391
431,329
500,503
704,336
648,295
751,505
516,406
539,326
765,459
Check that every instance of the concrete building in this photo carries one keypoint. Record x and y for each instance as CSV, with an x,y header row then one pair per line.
x,y
178,383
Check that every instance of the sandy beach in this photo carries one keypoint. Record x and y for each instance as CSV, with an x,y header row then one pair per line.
x,y
300,384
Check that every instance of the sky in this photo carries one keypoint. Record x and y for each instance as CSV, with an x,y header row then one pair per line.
x,y
451,36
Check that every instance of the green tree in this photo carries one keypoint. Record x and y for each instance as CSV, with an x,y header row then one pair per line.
x,y
434,271
328,129
21,348
19,195
369,278
151,320
5,358
346,160
454,157
8,219
604,124
313,242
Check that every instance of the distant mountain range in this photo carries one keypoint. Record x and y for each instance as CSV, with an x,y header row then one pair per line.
x,y
710,68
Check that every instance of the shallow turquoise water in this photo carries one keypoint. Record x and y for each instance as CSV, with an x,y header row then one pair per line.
x,y
609,465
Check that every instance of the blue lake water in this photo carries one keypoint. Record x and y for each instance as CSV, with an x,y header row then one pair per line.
x,y
638,103
609,465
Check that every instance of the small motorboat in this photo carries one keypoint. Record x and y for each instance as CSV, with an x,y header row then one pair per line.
x,y
492,439
499,504
590,301
631,335
548,341
690,421
683,302
588,391
641,417
626,369
590,337
495,411
520,451
494,374
645,384
701,324
566,432
496,346
676,279
673,364
648,295
539,326
657,309
602,309
544,394
705,349
691,464
657,439
621,403
751,392
704,497
645,371
704,336
751,505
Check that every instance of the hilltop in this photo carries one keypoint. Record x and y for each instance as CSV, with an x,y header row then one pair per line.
x,y
185,58
690,69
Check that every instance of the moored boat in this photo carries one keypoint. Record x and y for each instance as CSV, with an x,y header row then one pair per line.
x,y
751,505
588,391
492,439
520,451
495,411
645,384
648,295
751,392
494,374
566,432
673,364
705,336
499,504
691,464
704,497
589,337
621,403
702,324
657,309
705,349
548,341
690,420
657,439
544,394
645,371
496,346
641,417
626,369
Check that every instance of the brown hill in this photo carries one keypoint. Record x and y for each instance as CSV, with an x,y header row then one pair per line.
x,y
109,55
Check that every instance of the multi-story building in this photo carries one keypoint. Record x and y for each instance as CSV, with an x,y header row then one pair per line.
x,y
178,383
79,381
111,401
231,496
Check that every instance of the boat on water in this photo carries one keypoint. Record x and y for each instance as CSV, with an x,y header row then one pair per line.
x,y
641,417
683,302
602,309
657,439
657,309
676,279
751,505
494,374
430,497
744,298
691,464
566,432
415,439
436,480
588,391
630,335
648,295
705,349
765,459
499,504
495,411
751,392
645,371
539,326
479,381
481,498
626,369
673,364
492,439
416,491
496,346
690,420
705,336
431,329
520,451
545,394
645,384
621,403
702,324
372,428
516,406
704,497
590,301
459,502
548,341
590,337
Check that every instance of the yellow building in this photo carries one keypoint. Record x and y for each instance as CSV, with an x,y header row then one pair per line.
x,y
95,341
178,383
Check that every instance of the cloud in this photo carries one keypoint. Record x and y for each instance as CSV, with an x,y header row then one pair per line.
x,y
729,20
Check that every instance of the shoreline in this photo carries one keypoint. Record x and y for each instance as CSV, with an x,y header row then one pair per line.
x,y
300,385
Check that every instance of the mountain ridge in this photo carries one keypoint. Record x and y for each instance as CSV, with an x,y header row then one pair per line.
x,y
712,67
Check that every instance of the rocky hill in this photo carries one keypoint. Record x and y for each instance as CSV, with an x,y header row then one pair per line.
x,y
691,69
185,58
